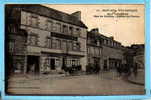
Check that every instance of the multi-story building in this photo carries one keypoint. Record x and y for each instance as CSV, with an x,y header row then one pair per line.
x,y
94,48
135,55
112,53
139,58
109,53
53,39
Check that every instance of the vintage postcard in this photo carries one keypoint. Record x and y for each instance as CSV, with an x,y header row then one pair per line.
x,y
75,49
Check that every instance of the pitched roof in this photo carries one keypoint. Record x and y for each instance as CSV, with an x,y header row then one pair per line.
x,y
51,13
98,35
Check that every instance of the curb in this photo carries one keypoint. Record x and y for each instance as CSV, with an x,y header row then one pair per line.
x,y
142,84
133,82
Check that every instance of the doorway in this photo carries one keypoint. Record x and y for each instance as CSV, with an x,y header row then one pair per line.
x,y
33,64
52,62
105,65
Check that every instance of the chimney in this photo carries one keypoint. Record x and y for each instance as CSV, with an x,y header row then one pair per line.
x,y
95,30
111,37
77,14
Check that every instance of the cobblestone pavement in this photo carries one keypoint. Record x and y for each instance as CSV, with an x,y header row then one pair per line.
x,y
105,83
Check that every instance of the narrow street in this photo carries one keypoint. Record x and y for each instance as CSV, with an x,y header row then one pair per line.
x,y
105,83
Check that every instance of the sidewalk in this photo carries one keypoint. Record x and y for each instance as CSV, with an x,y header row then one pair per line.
x,y
139,79
28,77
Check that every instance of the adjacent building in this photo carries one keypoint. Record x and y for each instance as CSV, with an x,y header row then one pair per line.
x,y
104,50
135,55
94,49
139,57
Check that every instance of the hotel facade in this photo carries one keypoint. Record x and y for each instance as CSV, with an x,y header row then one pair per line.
x,y
54,38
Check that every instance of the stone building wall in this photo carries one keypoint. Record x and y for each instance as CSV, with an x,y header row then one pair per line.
x,y
17,51
41,31
113,53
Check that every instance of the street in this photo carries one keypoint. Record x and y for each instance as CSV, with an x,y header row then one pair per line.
x,y
105,83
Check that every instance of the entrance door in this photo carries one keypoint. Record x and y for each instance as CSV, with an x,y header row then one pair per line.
x,y
52,62
33,64
96,61
105,65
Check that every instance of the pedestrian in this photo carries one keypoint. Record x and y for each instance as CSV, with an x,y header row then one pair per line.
x,y
135,69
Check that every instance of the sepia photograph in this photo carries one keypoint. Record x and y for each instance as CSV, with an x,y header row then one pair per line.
x,y
74,49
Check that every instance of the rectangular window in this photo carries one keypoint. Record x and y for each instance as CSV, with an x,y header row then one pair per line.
x,y
89,60
79,46
33,40
11,46
12,28
49,25
57,62
98,51
76,46
90,50
48,43
54,28
88,40
34,21
71,30
53,43
58,27
73,62
58,44
64,46
78,32
70,45
65,29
